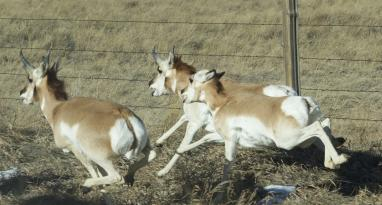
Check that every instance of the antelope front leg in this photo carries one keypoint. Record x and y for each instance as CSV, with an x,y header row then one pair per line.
x,y
169,132
190,132
211,137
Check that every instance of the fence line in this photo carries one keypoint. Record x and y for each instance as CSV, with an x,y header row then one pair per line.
x,y
178,108
84,77
342,90
341,59
143,52
135,106
147,80
141,21
194,54
339,25
184,22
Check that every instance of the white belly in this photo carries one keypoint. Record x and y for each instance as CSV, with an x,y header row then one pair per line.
x,y
251,132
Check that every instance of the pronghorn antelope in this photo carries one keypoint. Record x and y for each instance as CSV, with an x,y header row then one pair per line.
x,y
255,121
94,131
173,76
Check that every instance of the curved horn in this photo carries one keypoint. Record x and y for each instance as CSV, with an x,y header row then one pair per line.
x,y
155,55
27,66
45,59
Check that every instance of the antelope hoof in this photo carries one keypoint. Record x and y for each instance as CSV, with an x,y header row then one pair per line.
x,y
330,164
121,181
162,172
88,183
325,123
342,159
65,151
159,142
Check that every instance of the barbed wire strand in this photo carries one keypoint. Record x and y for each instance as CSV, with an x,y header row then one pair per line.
x,y
135,106
342,90
142,52
195,54
141,21
340,25
147,80
178,108
341,59
187,22
84,77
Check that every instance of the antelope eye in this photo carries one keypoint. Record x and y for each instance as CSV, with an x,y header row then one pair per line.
x,y
159,71
191,80
30,80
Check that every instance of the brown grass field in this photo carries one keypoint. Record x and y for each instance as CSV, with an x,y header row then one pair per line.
x,y
48,176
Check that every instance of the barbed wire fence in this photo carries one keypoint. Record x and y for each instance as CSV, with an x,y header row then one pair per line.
x,y
4,98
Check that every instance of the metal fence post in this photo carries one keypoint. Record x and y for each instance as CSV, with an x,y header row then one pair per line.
x,y
290,44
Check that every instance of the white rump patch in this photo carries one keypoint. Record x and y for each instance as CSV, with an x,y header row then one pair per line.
x,y
278,91
121,137
141,137
139,130
70,133
296,107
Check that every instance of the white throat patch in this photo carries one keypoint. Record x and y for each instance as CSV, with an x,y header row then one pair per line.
x,y
173,86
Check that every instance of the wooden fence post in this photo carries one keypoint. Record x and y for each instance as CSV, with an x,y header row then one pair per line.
x,y
290,44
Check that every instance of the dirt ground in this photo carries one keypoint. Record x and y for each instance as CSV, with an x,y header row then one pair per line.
x,y
49,176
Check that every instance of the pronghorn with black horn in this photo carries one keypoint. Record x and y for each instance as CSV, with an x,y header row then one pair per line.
x,y
173,76
95,131
254,121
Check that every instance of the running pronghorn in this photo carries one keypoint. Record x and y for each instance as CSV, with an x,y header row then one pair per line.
x,y
173,76
255,121
95,131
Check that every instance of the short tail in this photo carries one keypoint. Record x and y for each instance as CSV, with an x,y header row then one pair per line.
x,y
314,110
289,91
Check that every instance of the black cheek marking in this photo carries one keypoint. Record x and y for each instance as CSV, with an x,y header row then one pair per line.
x,y
35,96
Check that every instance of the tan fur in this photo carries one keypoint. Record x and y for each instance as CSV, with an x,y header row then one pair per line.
x,y
244,101
95,118
279,121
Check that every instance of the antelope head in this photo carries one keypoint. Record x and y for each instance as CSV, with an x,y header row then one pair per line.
x,y
199,83
35,75
164,70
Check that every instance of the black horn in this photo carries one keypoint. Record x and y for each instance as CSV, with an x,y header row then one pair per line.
x,y
27,66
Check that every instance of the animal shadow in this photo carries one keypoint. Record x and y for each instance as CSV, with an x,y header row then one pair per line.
x,y
362,171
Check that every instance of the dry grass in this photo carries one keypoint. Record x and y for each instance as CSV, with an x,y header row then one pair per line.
x,y
49,176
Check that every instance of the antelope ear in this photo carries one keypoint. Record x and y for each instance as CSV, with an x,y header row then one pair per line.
x,y
44,66
56,65
219,75
155,55
171,58
211,74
